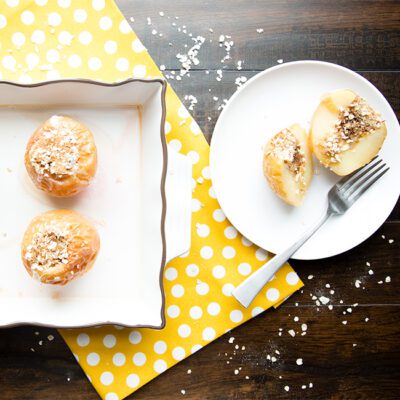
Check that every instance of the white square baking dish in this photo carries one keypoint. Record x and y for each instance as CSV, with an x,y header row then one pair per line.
x,y
140,202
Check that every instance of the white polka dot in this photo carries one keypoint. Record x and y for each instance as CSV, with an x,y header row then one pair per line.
x,y
236,316
202,288
206,172
54,19
64,3
196,347
18,39
139,359
219,215
135,337
106,378
98,5
85,37
178,353
139,71
160,347
3,21
93,359
173,311
94,63
83,339
230,232
124,27
74,61
272,294
203,230
9,62
211,193
38,37
80,15
208,334
41,3
227,289
255,311
137,46
111,396
119,359
246,242
167,127
206,252
160,366
228,252
193,156
52,56
109,341
244,268
110,47
122,64
52,75
196,312
218,272
65,38
171,274
177,291
196,205
175,144
132,380
194,127
292,278
192,270
184,331
183,112
27,17
261,254
24,78
105,23
213,308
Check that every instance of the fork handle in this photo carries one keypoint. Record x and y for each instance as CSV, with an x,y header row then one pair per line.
x,y
250,287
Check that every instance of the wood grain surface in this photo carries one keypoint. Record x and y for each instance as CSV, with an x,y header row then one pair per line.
x,y
359,359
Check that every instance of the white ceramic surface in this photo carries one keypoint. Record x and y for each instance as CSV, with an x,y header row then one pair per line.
x,y
124,201
267,103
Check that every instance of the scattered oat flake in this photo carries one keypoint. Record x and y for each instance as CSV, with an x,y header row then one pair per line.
x,y
148,21
277,352
36,333
50,337
189,371
357,283
368,264
154,32
40,342
366,319
162,67
161,13
260,30
371,272
310,385
247,377
131,19
388,279
183,391
391,241
330,306
237,347
32,349
380,282
273,359
344,322
383,237
236,371
324,300
310,277
299,361
279,61
304,386
303,327
231,339
243,347
354,344
287,388
296,319
292,333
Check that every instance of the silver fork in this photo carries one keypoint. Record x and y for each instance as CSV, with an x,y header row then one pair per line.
x,y
341,197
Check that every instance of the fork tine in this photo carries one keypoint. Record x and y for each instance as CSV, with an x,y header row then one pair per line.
x,y
347,181
363,187
361,180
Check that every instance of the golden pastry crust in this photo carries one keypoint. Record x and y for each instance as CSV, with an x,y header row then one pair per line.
x,y
61,157
58,246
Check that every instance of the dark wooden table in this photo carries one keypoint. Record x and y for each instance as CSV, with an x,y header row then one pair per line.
x,y
359,360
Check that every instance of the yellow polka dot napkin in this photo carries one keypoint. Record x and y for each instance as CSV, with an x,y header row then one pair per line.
x,y
49,39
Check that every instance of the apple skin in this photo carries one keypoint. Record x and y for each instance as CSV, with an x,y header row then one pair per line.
x,y
325,117
281,179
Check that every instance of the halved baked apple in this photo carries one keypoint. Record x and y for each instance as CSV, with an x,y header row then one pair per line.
x,y
288,164
346,132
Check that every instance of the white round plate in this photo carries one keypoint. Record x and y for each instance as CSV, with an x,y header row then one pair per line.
x,y
267,103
